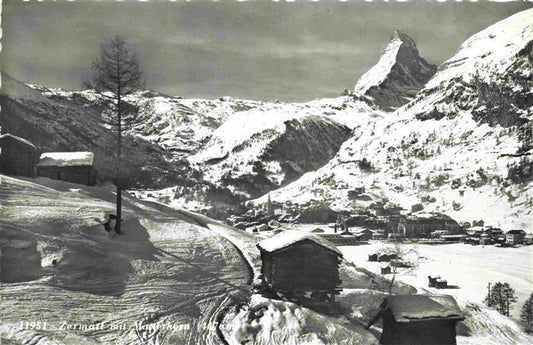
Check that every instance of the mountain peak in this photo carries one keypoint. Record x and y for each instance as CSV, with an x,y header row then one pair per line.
x,y
402,36
398,75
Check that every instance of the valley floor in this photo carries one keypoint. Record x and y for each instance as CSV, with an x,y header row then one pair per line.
x,y
468,269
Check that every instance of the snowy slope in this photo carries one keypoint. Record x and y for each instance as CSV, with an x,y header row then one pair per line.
x,y
470,163
266,147
56,120
398,75
165,280
490,76
178,125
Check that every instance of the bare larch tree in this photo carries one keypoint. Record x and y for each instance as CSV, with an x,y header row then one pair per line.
x,y
115,74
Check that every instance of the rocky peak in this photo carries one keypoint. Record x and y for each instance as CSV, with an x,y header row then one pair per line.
x,y
398,75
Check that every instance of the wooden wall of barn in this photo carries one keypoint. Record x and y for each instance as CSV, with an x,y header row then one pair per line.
x,y
303,266
435,332
16,158
77,174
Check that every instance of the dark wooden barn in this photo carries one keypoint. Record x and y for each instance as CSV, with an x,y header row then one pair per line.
x,y
17,156
386,270
419,320
300,264
76,167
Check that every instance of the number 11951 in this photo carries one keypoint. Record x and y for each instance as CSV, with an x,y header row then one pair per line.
x,y
37,325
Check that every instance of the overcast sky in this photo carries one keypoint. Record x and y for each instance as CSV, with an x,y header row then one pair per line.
x,y
262,51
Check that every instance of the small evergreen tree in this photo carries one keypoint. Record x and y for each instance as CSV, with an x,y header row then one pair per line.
x,y
526,314
500,297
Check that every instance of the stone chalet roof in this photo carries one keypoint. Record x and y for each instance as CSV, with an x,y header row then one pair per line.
x,y
515,232
19,139
412,308
63,159
288,238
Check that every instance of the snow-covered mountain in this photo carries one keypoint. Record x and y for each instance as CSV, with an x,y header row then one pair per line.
x,y
266,147
462,147
398,75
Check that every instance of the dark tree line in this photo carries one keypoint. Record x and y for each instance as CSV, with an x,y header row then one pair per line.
x,y
526,314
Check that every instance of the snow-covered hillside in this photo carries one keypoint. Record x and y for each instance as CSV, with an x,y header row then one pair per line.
x,y
56,120
472,161
268,146
398,75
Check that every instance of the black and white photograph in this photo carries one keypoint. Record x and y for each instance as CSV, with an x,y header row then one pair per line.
x,y
266,172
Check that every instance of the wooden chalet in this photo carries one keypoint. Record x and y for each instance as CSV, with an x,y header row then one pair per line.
x,y
515,237
301,264
419,320
422,225
364,235
17,156
75,167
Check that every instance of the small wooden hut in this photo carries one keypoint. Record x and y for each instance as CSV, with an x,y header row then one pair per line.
x,y
300,264
386,270
441,283
432,279
76,167
419,319
17,156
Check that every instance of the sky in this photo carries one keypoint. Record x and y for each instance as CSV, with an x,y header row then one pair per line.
x,y
250,50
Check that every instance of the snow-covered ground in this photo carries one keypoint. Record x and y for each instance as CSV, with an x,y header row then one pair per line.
x,y
470,268
166,280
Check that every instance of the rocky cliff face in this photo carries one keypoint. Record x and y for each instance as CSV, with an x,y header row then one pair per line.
x,y
398,75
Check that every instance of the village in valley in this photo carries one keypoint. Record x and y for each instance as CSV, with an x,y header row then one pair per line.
x,y
398,212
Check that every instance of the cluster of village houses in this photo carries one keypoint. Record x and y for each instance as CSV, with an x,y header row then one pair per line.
x,y
19,157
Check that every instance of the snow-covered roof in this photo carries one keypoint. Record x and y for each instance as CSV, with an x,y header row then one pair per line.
x,y
409,308
288,238
516,232
22,140
62,159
